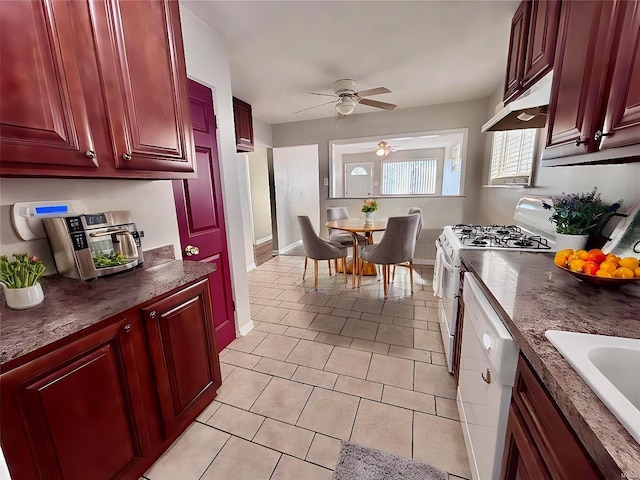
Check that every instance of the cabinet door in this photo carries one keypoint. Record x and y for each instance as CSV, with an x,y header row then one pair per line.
x,y
243,118
579,75
515,61
521,460
541,40
141,59
77,412
183,353
44,121
622,118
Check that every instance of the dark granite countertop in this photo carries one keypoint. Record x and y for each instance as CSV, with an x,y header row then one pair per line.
x,y
532,296
72,305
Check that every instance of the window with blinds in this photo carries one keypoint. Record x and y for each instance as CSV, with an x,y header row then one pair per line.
x,y
512,156
415,177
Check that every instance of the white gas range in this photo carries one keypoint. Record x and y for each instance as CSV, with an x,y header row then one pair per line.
x,y
531,232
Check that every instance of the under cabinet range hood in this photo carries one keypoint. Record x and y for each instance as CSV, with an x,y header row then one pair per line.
x,y
529,110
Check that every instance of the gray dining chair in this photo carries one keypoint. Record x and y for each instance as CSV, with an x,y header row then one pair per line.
x,y
396,246
406,264
340,236
318,249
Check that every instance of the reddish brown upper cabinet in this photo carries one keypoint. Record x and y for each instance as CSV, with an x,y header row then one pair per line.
x,y
594,111
44,120
77,413
517,41
142,67
243,118
534,29
94,88
541,40
183,353
539,443
622,116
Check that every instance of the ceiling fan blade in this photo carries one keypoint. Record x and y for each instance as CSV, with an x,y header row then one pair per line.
x,y
315,106
323,94
375,103
373,91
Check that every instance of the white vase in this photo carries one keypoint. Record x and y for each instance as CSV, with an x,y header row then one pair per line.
x,y
23,298
369,217
575,242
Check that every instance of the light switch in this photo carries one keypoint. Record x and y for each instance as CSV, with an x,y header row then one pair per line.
x,y
326,182
375,184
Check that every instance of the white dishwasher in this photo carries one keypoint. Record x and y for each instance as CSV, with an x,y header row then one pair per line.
x,y
488,362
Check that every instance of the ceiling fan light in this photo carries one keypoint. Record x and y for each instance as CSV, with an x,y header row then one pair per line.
x,y
380,152
346,106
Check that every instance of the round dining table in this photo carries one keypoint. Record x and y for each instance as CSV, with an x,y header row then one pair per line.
x,y
357,226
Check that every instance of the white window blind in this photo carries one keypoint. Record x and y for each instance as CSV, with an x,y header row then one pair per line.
x,y
512,156
415,177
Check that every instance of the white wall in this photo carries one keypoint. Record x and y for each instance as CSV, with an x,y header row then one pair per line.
x,y
150,201
260,199
262,133
208,63
438,212
614,182
296,189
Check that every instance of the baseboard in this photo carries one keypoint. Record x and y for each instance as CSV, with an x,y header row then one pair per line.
x,y
252,266
262,240
246,328
288,248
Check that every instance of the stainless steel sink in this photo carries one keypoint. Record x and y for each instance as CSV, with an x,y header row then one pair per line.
x,y
611,367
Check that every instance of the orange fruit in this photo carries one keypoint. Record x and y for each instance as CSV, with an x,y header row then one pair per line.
x,y
611,257
566,251
576,265
590,268
636,272
629,262
623,272
560,259
608,266
604,273
582,254
596,255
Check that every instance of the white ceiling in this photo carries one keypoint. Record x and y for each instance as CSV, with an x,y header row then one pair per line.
x,y
425,52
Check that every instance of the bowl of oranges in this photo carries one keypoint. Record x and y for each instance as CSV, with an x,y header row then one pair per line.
x,y
599,268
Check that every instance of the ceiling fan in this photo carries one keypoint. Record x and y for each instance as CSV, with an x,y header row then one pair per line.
x,y
349,98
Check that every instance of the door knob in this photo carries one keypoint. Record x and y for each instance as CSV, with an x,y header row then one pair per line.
x,y
190,250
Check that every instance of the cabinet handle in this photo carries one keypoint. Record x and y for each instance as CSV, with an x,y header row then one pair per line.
x,y
580,142
90,154
127,327
126,156
486,378
153,314
598,135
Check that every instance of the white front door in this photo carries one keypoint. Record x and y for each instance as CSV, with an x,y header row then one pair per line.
x,y
358,179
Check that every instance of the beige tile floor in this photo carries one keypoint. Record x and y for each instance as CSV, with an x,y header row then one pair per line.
x,y
321,367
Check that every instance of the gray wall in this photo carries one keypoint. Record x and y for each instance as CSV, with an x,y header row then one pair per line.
x,y
438,211
260,202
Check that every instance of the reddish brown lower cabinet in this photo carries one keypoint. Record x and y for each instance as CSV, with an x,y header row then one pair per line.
x,y
107,405
540,444
77,413
183,354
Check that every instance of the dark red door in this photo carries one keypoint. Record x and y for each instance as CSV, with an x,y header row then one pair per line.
x,y
200,213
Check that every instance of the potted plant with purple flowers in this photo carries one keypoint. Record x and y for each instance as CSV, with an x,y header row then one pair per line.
x,y
19,279
576,216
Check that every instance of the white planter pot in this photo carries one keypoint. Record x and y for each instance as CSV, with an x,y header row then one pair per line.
x,y
369,217
23,298
575,242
